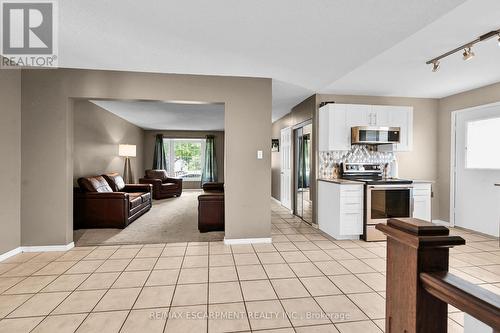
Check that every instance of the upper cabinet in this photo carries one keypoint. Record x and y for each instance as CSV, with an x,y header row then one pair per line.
x,y
336,120
402,117
332,129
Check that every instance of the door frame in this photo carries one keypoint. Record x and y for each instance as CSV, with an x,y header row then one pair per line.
x,y
453,155
290,157
294,168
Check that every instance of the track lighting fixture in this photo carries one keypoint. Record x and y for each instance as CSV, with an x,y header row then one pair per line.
x,y
468,54
435,66
467,48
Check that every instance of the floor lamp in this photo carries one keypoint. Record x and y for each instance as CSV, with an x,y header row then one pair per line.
x,y
127,151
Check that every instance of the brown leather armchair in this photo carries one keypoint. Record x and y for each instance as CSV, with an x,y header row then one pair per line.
x,y
211,208
213,187
163,186
107,202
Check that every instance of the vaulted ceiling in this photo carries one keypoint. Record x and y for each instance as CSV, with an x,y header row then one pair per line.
x,y
334,46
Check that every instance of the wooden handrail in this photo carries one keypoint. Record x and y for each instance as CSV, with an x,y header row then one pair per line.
x,y
419,286
480,303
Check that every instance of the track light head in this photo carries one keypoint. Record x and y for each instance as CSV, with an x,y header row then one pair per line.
x,y
468,54
435,65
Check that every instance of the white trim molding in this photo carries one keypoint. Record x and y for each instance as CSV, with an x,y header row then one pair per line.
x,y
47,248
10,253
276,200
237,241
441,222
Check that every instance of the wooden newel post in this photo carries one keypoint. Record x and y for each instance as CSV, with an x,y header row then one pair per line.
x,y
413,247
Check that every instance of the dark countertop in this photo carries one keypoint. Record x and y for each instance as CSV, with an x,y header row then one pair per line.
x,y
340,181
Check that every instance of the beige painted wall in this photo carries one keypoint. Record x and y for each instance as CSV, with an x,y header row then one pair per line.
x,y
149,142
97,134
47,142
10,167
476,97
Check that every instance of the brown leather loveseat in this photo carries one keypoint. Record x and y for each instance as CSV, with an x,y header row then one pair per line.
x,y
163,186
211,208
107,202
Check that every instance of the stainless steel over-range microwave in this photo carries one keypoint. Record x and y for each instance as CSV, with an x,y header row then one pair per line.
x,y
375,135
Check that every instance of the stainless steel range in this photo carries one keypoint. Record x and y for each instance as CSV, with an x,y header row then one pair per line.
x,y
385,198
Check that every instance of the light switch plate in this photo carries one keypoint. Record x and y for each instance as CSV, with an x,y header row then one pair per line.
x,y
259,154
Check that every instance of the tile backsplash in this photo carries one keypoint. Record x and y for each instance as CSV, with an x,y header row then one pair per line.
x,y
357,154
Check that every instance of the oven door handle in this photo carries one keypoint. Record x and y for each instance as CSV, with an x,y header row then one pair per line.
x,y
389,187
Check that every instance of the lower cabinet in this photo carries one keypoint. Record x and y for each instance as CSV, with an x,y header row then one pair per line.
x,y
422,201
340,209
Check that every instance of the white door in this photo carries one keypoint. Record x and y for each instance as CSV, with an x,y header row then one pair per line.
x,y
286,168
477,169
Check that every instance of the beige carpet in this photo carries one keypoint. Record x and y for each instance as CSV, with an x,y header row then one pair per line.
x,y
169,220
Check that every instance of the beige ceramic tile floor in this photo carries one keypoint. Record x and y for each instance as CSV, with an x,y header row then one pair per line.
x,y
303,282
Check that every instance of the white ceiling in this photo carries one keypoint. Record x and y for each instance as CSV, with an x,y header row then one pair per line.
x,y
156,115
337,46
401,70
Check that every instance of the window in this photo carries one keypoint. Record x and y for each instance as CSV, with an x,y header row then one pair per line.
x,y
185,158
482,151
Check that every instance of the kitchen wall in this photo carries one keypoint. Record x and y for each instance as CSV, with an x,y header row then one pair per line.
x,y
10,166
476,97
47,142
149,142
97,134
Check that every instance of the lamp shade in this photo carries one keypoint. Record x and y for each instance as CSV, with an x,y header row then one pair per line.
x,y
126,150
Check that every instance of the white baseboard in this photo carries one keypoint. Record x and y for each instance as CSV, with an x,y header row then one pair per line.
x,y
276,200
11,253
48,248
237,241
441,222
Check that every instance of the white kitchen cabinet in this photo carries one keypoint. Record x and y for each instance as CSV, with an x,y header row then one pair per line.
x,y
402,117
336,120
422,201
358,115
333,132
340,209
380,115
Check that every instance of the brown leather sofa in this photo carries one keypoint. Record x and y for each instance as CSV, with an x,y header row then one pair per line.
x,y
107,202
163,186
211,208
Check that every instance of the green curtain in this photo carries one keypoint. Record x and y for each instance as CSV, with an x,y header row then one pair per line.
x,y
160,157
209,172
